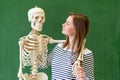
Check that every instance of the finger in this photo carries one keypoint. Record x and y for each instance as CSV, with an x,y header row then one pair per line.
x,y
80,77
80,71
80,68
82,74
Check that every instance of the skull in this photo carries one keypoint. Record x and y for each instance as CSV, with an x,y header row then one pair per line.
x,y
37,17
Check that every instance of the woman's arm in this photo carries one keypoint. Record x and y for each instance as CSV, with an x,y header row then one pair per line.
x,y
88,65
86,71
50,57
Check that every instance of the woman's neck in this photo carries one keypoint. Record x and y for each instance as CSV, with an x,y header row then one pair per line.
x,y
71,40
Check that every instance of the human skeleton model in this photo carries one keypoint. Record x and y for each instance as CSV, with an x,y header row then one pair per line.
x,y
33,56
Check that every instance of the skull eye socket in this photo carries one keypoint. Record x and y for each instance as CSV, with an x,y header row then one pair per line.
x,y
36,17
42,17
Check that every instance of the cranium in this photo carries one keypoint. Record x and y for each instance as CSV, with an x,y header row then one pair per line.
x,y
36,16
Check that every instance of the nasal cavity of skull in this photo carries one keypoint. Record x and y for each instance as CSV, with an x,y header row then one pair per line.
x,y
34,24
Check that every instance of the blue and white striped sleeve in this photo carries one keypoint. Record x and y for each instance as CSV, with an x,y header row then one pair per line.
x,y
88,65
50,56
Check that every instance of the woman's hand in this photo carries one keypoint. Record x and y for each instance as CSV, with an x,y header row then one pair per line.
x,y
80,75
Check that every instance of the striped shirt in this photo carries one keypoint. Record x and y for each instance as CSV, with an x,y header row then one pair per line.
x,y
60,60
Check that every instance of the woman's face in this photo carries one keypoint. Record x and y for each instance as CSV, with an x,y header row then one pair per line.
x,y
68,27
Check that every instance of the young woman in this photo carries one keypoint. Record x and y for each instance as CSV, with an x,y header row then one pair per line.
x,y
65,54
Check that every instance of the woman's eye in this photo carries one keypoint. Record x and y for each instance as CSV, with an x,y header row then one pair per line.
x,y
67,23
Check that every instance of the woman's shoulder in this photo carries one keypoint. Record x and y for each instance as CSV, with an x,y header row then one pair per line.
x,y
59,45
87,51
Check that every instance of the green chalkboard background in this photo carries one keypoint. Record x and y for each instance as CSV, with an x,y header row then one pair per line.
x,y
103,38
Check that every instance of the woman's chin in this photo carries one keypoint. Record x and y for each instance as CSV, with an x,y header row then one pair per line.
x,y
63,33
